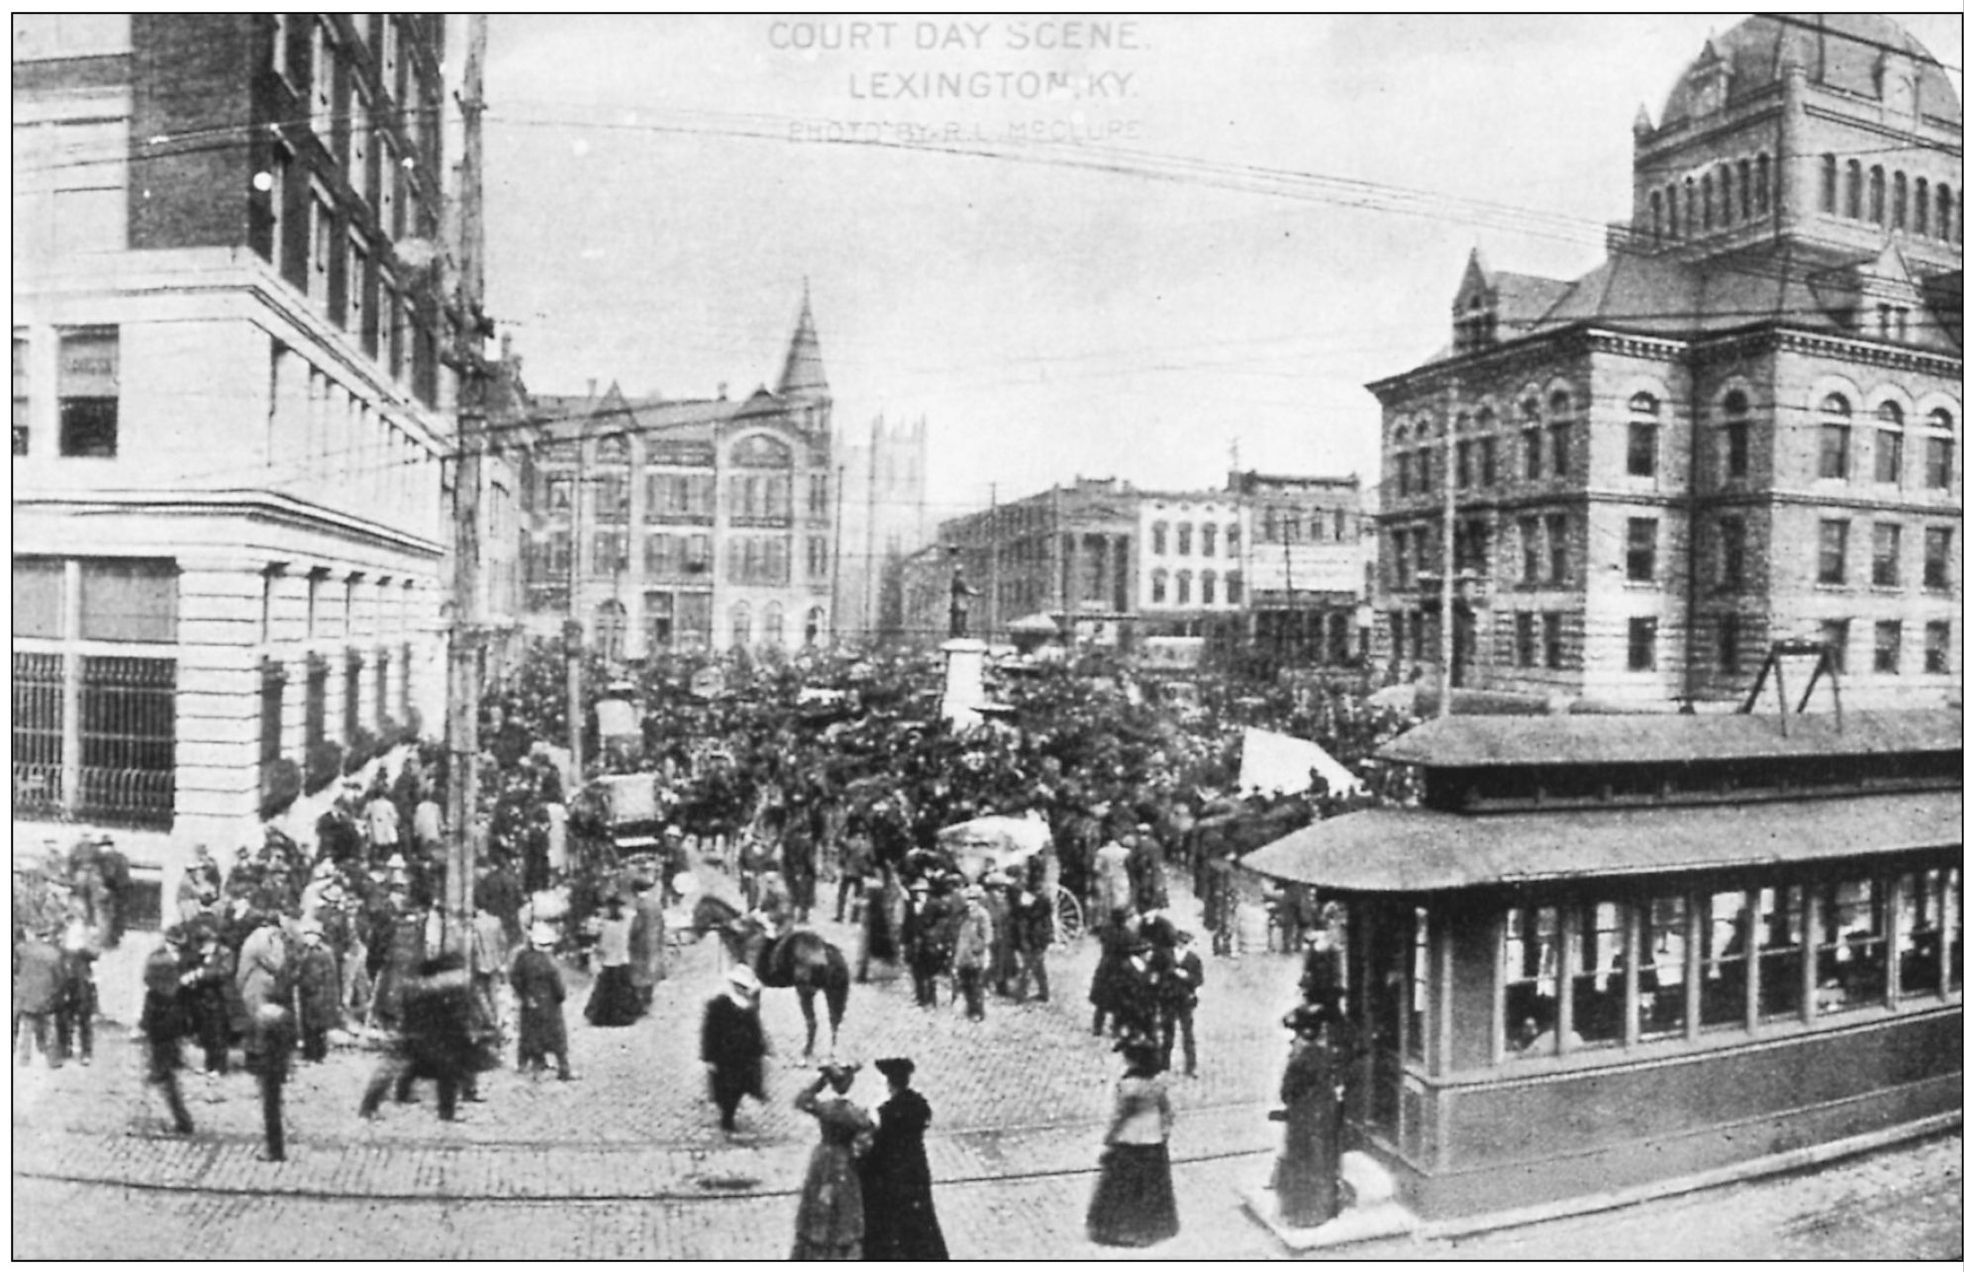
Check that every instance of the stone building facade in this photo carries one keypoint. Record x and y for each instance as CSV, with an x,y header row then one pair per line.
x,y
228,547
1740,429
662,524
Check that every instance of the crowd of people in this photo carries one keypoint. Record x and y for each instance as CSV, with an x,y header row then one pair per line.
x,y
788,771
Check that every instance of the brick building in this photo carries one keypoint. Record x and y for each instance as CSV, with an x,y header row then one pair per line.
x,y
1740,428
1308,566
666,524
1065,554
227,448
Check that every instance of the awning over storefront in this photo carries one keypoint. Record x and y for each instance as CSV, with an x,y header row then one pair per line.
x,y
1422,850
1467,741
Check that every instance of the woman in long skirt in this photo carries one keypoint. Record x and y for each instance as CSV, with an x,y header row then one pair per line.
x,y
831,1211
894,1176
614,1001
1132,1204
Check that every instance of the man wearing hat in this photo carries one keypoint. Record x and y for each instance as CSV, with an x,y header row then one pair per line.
x,y
1002,952
1031,931
974,942
208,971
1179,992
164,1025
317,988
37,994
114,869
733,1045
541,995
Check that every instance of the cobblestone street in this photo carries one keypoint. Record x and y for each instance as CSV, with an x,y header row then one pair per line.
x,y
626,1162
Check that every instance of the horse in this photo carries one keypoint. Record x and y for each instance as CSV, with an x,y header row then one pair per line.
x,y
800,960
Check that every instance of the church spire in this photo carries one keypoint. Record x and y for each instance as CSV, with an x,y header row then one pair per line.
x,y
804,369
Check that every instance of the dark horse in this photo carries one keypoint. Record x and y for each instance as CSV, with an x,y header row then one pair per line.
x,y
804,961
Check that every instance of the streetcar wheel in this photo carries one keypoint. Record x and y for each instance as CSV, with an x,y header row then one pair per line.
x,y
1067,918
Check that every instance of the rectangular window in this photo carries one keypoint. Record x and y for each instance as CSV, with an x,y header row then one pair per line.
x,y
1936,647
1530,986
1551,641
1728,643
1489,461
1643,644
89,394
1531,453
388,324
1833,552
1661,935
1558,448
1732,553
1640,550
22,398
1736,451
1781,913
1834,450
320,244
1834,634
133,601
1404,473
1524,639
1888,456
1463,464
1886,570
358,293
321,95
128,735
1853,951
1558,550
1936,558
358,129
662,558
1597,985
1401,558
1642,457
1530,531
1919,915
1888,646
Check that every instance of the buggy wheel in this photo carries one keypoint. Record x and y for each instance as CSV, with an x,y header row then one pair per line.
x,y
1067,918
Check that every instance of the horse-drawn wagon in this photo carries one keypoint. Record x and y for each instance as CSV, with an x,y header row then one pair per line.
x,y
987,844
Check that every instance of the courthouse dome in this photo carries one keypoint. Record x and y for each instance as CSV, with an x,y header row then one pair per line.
x,y
1841,51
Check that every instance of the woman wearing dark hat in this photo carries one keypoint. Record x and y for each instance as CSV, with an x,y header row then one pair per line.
x,y
831,1215
1308,1172
615,1001
1132,1204
894,1177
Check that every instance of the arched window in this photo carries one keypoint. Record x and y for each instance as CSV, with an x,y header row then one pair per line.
x,y
1690,207
1737,434
1899,206
1705,201
815,625
1560,420
1159,587
1943,213
739,625
1234,539
1725,193
1159,538
1889,444
1920,212
1642,450
1234,587
1209,538
1531,439
1671,210
1939,449
1854,191
1830,170
774,624
1836,428
1207,581
1186,538
1745,171
1656,216
1763,188
1878,195
1184,581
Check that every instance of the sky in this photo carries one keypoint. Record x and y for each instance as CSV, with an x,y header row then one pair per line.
x,y
1100,246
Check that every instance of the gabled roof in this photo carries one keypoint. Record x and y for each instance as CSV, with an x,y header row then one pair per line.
x,y
1492,741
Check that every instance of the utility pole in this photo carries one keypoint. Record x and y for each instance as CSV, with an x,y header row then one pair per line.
x,y
1449,543
468,358
575,716
1289,633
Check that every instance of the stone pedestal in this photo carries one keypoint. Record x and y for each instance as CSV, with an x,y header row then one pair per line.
x,y
963,692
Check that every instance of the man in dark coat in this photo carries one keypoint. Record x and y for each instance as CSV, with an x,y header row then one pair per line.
x,y
206,981
541,995
269,1056
1179,992
317,983
435,1042
733,1045
164,1024
76,1006
1032,928
114,869
896,1187
37,995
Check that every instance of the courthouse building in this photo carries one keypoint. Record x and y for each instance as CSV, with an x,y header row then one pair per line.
x,y
228,547
1740,428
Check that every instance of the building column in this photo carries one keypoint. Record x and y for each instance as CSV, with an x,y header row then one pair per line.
x,y
217,719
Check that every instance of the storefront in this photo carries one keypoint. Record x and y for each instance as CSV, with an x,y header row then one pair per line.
x,y
1610,951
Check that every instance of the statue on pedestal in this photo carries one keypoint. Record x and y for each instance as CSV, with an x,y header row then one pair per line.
x,y
959,593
